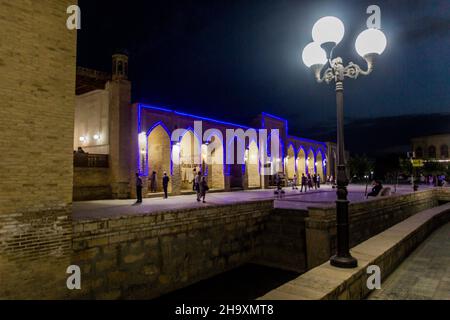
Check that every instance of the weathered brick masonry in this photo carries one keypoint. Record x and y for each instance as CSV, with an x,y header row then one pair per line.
x,y
37,76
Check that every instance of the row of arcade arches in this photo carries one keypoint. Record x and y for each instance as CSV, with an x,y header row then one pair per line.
x,y
304,162
209,158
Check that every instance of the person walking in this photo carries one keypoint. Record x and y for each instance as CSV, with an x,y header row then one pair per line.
x,y
138,188
203,188
153,182
310,182
194,175
318,181
279,192
294,183
197,180
165,183
304,182
314,178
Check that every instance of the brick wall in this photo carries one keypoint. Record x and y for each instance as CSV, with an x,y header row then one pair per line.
x,y
37,76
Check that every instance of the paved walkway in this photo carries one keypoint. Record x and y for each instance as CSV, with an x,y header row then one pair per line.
x,y
424,275
292,199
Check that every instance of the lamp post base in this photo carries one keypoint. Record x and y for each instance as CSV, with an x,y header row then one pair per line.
x,y
343,262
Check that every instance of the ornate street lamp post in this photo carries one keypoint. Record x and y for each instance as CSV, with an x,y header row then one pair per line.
x,y
327,32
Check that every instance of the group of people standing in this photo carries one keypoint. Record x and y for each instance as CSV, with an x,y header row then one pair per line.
x,y
153,183
199,184
433,180
307,182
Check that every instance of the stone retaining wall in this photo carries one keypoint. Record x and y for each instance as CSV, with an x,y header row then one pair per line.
x,y
366,220
91,184
146,256
385,250
284,241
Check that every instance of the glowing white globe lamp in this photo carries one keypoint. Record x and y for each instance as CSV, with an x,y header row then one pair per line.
x,y
328,29
313,54
370,41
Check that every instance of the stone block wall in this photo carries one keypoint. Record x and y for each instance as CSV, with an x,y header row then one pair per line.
x,y
37,94
91,184
385,250
284,240
145,256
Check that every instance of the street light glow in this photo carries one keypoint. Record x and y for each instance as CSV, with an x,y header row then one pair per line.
x,y
328,29
313,54
370,41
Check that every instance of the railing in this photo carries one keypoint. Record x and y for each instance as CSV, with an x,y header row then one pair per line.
x,y
89,160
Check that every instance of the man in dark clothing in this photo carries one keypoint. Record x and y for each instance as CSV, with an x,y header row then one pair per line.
x,y
194,174
203,187
304,182
197,180
376,189
153,182
138,188
165,182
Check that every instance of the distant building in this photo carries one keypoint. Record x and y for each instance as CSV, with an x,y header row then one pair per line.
x,y
432,148
120,138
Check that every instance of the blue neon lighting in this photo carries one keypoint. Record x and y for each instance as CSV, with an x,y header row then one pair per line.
x,y
227,168
307,140
272,116
193,116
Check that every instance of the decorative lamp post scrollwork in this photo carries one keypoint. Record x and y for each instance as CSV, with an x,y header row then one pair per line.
x,y
327,32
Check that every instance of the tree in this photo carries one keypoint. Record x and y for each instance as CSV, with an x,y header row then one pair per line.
x,y
405,166
360,166
388,166
434,168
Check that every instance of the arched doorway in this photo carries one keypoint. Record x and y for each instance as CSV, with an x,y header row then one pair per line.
x,y
158,154
290,162
301,162
213,161
319,165
310,162
190,159
333,167
432,152
254,179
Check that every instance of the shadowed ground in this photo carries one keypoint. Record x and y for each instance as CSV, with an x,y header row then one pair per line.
x,y
249,281
424,275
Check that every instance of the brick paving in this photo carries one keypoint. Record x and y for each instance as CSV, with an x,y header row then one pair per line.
x,y
424,275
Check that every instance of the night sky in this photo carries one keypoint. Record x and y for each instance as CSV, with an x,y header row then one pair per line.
x,y
234,59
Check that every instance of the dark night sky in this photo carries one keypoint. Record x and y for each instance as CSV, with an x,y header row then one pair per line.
x,y
234,59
